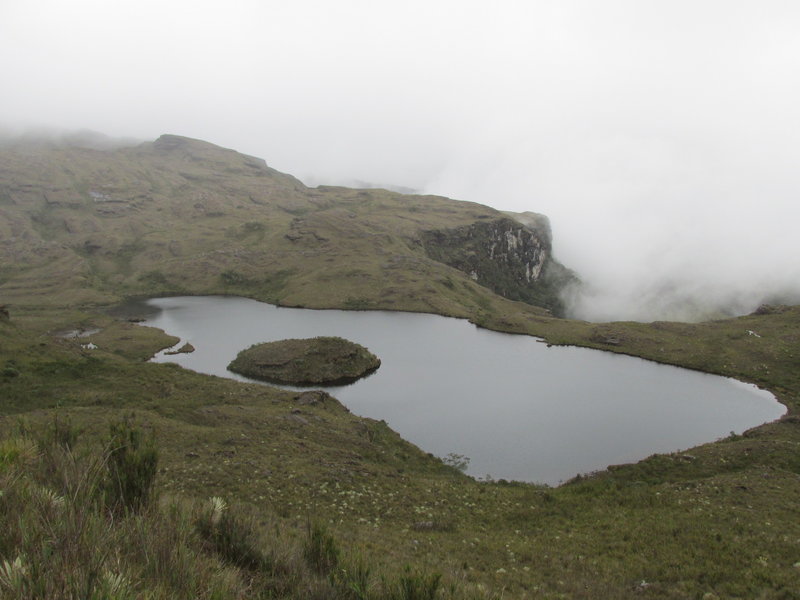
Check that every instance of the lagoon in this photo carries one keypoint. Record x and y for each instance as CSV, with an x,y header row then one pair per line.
x,y
520,410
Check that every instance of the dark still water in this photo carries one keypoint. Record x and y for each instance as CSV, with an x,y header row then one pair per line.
x,y
516,408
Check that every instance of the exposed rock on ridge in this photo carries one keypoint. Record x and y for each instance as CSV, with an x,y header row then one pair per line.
x,y
510,258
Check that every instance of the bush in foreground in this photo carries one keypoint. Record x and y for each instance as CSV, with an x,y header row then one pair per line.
x,y
82,523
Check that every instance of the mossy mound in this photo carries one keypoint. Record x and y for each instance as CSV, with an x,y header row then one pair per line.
x,y
310,361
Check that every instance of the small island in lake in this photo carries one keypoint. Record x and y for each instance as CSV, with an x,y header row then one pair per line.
x,y
310,361
187,348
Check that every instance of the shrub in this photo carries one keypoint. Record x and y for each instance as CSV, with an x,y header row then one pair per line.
x,y
230,537
131,468
352,583
231,277
62,434
10,372
14,576
16,452
320,550
456,461
154,278
253,227
415,586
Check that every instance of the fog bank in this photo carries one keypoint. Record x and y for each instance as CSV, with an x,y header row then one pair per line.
x,y
662,139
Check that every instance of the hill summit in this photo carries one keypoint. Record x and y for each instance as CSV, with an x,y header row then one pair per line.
x,y
179,215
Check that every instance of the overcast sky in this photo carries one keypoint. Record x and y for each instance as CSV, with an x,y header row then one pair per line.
x,y
662,138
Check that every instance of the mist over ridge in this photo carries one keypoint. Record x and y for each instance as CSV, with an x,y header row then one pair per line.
x,y
641,266
662,141
677,260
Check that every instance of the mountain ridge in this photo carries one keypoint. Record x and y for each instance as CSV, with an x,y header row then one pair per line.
x,y
177,209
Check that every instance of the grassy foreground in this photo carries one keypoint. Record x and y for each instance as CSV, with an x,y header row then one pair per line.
x,y
719,519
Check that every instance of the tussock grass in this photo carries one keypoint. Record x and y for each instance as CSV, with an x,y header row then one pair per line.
x,y
65,537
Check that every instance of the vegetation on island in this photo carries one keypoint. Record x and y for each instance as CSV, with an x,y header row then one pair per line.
x,y
312,361
186,348
239,490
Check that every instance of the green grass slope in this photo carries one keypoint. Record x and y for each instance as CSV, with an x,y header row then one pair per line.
x,y
183,216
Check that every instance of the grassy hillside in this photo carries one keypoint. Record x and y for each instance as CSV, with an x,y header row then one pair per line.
x,y
717,521
183,216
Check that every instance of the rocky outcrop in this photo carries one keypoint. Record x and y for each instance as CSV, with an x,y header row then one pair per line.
x,y
512,259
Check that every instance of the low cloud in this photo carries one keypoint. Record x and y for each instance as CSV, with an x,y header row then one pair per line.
x,y
662,139
86,138
672,227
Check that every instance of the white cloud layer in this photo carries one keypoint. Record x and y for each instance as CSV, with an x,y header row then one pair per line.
x,y
662,138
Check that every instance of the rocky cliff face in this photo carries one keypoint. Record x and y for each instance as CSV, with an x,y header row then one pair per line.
x,y
510,258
